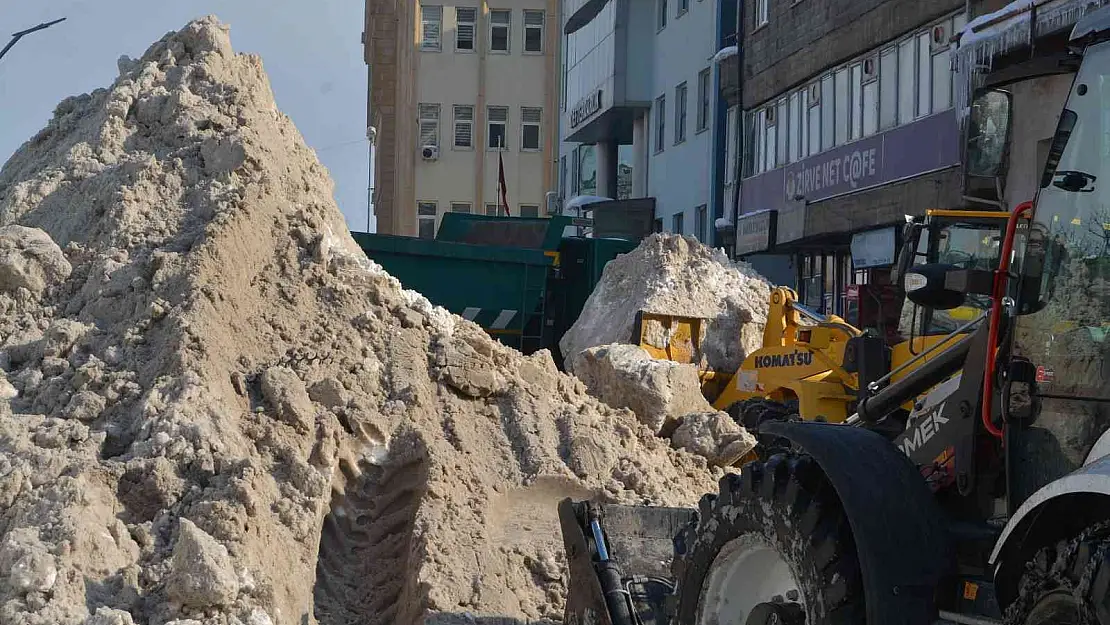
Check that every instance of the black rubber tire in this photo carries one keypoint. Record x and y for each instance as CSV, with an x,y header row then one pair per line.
x,y
1067,583
789,503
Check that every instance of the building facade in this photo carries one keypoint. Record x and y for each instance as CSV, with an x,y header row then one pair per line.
x,y
454,87
850,124
639,107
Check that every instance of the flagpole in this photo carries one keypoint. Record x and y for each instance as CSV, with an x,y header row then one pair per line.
x,y
500,171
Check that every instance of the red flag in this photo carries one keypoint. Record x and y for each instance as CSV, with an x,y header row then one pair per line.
x,y
502,190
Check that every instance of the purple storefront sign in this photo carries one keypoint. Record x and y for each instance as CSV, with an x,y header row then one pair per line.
x,y
926,145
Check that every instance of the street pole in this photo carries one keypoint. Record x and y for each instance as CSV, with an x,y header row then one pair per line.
x,y
19,35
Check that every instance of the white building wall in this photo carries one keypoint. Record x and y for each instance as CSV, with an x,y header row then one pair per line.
x,y
679,174
514,80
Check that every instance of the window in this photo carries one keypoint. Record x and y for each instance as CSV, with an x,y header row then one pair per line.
x,y
701,223
563,176
783,118
942,81
794,128
429,124
770,149
497,118
870,107
466,22
828,119
680,113
683,6
662,17
657,226
759,142
924,75
529,210
762,12
888,87
464,127
431,21
426,219
814,118
533,32
906,68
676,223
500,21
857,102
530,119
491,210
841,108
704,95
660,122
460,207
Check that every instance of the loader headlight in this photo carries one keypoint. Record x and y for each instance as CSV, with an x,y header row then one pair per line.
x,y
915,281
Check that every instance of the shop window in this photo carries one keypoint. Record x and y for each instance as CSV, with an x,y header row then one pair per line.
x,y
431,27
466,22
426,219
888,88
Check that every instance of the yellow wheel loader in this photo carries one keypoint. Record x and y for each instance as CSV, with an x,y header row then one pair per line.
x,y
815,365
989,506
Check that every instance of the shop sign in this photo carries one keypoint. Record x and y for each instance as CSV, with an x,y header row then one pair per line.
x,y
874,248
585,108
926,145
755,232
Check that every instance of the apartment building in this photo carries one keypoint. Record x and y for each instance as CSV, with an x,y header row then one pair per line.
x,y
849,125
454,86
640,114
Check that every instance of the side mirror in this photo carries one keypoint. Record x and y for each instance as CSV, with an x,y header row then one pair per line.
x,y
926,286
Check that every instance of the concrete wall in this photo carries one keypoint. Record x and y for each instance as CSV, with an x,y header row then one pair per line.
x,y
679,177
804,37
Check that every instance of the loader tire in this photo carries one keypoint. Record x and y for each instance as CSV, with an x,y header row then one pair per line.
x,y
783,520
1067,583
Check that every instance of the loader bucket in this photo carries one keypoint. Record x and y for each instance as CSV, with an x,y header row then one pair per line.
x,y
670,337
628,578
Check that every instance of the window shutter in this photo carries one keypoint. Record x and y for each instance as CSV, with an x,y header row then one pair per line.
x,y
500,17
533,18
531,115
498,114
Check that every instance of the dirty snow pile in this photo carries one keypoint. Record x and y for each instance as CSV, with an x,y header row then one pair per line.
x,y
676,275
216,410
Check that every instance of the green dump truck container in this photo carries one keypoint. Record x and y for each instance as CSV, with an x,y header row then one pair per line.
x,y
493,271
518,278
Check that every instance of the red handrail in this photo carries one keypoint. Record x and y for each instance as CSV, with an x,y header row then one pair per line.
x,y
1000,281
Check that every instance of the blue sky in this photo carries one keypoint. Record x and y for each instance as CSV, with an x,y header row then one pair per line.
x,y
310,48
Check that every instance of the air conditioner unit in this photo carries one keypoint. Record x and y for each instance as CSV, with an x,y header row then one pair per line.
x,y
870,70
429,152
